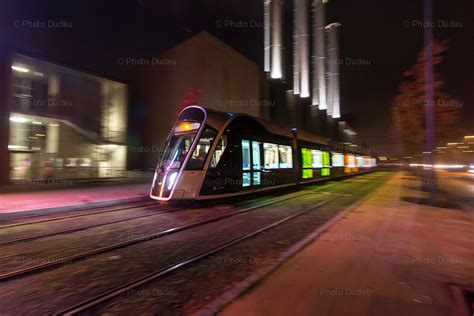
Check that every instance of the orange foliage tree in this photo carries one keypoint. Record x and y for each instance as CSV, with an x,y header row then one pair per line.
x,y
408,109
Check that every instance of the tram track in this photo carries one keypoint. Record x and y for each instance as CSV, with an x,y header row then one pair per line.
x,y
113,293
82,214
83,228
59,218
83,255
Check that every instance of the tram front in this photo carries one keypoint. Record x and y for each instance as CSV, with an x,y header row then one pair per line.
x,y
179,174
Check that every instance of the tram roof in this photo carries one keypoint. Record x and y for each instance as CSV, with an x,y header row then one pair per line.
x,y
218,118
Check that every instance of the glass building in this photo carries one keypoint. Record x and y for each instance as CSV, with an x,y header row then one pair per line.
x,y
64,123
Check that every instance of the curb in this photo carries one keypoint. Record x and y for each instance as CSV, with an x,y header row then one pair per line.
x,y
70,208
240,288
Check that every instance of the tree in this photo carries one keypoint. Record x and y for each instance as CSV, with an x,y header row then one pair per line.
x,y
408,110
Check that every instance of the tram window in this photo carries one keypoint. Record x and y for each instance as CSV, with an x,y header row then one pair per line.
x,y
199,155
317,158
256,156
307,163
270,152
350,161
256,178
307,158
245,155
307,173
326,160
176,150
286,157
220,147
246,179
337,160
325,171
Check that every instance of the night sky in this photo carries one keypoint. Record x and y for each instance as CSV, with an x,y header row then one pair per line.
x,y
383,34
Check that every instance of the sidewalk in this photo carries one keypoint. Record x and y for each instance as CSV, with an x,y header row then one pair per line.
x,y
41,199
385,257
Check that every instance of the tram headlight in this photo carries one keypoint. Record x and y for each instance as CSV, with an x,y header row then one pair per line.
x,y
171,180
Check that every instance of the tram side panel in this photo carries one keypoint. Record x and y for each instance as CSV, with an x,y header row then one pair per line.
x,y
253,160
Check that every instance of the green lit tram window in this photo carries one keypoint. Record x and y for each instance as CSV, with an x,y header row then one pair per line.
x,y
326,161
307,158
307,173
325,172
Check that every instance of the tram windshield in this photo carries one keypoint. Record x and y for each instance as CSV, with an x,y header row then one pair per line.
x,y
178,145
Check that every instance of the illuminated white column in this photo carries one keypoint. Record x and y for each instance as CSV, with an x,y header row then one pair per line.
x,y
296,48
333,72
304,48
276,39
301,63
319,65
266,35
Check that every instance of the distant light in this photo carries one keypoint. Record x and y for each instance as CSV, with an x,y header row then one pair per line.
x,y
471,171
230,114
470,136
441,147
408,157
16,147
463,146
18,119
427,152
111,146
294,129
53,124
349,131
37,123
449,166
437,166
452,144
468,151
39,74
20,69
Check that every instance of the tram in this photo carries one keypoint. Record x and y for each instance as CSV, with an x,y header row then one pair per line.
x,y
211,154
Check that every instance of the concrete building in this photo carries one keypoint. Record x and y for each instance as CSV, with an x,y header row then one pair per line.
x,y
201,70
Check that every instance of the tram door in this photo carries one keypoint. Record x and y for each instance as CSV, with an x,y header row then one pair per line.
x,y
251,163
